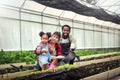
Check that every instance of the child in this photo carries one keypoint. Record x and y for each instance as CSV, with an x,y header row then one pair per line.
x,y
44,57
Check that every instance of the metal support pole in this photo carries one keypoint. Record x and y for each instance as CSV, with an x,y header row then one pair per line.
x,y
73,24
42,17
84,34
20,21
59,20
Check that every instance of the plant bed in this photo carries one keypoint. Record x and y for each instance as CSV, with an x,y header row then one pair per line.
x,y
23,66
15,67
10,76
98,56
92,52
71,72
8,57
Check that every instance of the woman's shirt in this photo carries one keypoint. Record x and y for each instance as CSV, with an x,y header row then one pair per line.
x,y
55,49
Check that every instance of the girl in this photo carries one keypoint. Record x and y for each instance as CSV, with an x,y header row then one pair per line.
x,y
43,51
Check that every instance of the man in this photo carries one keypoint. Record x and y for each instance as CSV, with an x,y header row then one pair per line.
x,y
68,45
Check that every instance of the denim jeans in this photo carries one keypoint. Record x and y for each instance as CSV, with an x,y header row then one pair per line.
x,y
38,66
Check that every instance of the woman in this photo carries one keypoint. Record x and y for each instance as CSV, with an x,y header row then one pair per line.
x,y
55,49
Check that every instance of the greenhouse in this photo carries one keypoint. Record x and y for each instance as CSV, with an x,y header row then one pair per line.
x,y
95,24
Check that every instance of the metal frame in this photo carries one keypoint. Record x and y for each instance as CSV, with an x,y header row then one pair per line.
x,y
59,18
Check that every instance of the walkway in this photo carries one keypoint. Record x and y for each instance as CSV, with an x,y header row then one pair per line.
x,y
116,78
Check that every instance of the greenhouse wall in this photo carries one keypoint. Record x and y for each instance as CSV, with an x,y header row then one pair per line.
x,y
19,29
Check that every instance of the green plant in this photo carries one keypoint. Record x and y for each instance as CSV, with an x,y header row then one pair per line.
x,y
17,57
91,52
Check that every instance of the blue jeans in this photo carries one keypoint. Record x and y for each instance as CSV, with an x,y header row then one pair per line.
x,y
38,66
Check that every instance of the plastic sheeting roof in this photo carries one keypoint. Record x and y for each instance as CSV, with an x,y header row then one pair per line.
x,y
77,7
110,6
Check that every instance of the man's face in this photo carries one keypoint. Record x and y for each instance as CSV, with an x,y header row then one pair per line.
x,y
65,31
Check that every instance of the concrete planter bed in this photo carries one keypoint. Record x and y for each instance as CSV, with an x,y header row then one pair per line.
x,y
98,56
82,70
15,67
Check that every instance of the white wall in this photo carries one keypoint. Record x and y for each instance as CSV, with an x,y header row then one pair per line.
x,y
16,34
9,34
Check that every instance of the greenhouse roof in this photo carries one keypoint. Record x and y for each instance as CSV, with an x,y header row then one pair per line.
x,y
110,9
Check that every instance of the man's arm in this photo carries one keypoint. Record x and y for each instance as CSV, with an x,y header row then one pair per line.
x,y
73,43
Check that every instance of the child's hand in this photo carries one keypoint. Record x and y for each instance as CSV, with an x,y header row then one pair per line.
x,y
44,51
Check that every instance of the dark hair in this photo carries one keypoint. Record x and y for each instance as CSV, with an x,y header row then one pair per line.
x,y
66,26
57,33
42,33
49,34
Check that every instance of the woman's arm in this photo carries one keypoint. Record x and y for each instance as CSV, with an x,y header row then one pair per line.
x,y
59,50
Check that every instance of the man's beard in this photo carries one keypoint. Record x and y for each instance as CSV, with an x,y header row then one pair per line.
x,y
65,36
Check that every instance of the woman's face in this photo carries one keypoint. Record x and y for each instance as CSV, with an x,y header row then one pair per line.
x,y
44,39
54,38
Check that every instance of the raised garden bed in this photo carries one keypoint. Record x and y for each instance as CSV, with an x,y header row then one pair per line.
x,y
69,72
17,67
99,56
92,52
73,72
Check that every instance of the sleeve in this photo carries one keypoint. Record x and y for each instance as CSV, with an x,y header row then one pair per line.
x,y
37,50
59,50
73,43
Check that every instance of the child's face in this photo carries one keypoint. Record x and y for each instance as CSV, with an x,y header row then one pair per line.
x,y
44,39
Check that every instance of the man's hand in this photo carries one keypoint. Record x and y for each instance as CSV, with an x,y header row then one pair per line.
x,y
72,49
